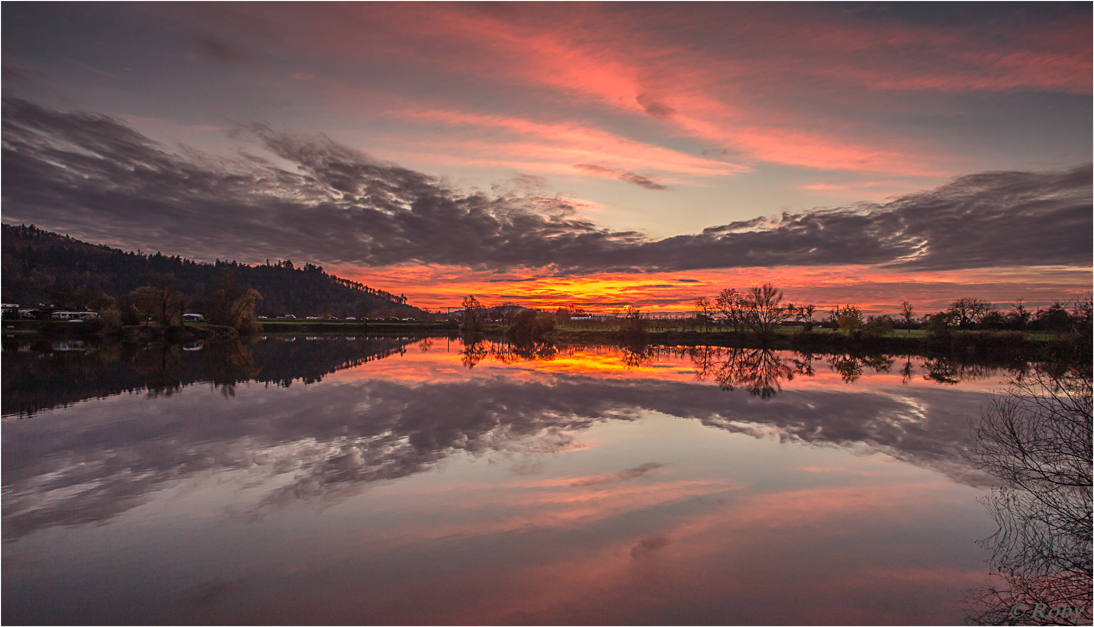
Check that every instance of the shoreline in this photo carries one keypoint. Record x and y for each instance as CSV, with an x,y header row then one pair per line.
x,y
991,345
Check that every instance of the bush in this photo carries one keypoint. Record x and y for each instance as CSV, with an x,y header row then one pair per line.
x,y
939,325
849,318
530,327
112,319
878,326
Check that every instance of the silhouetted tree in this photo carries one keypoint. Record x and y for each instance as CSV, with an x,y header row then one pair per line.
x,y
968,310
473,320
1056,318
1020,317
506,311
731,305
1037,439
908,314
706,308
764,310
805,315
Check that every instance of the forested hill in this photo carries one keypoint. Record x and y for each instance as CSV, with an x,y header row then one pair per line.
x,y
39,267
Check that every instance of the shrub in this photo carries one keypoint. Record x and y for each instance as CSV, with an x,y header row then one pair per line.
x,y
878,326
939,324
848,318
530,327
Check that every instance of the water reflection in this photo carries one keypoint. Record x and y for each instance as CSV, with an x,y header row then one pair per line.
x,y
476,348
1037,440
409,483
38,376
758,370
381,428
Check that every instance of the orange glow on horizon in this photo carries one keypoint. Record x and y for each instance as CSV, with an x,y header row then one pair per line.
x,y
873,289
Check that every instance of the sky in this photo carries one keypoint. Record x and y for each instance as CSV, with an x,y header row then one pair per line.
x,y
591,154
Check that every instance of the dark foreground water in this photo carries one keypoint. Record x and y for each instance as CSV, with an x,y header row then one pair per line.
x,y
418,481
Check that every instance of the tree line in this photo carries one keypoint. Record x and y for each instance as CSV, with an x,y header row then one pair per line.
x,y
760,310
40,266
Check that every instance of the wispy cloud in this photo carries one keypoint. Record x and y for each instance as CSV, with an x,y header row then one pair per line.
x,y
629,177
630,473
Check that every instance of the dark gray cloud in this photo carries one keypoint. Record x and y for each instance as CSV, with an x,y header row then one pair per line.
x,y
93,177
654,107
622,175
648,545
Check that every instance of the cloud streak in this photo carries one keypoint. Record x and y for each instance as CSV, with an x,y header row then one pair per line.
x,y
623,475
629,177
92,176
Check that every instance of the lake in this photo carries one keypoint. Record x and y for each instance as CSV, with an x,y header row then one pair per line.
x,y
400,480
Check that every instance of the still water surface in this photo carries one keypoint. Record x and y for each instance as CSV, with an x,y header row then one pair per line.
x,y
420,481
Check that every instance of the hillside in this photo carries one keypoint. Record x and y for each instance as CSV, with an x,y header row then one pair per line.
x,y
40,267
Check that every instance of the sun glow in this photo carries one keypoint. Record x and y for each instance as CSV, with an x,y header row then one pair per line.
x,y
872,289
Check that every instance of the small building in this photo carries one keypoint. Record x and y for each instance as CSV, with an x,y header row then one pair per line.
x,y
74,316
193,317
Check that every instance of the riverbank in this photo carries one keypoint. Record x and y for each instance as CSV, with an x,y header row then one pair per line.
x,y
987,344
995,345
200,330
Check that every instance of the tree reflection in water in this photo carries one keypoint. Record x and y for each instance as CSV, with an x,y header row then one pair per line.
x,y
759,370
476,349
37,376
225,363
949,371
636,356
1036,439
851,367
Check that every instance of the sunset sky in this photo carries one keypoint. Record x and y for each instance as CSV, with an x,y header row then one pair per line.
x,y
595,154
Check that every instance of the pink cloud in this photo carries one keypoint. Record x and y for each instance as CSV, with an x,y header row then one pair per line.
x,y
795,88
564,145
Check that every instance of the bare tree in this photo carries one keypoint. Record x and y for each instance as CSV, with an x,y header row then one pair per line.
x,y
805,315
907,313
706,308
1037,440
968,310
764,310
507,311
730,303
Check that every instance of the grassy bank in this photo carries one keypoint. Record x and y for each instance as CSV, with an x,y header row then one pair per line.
x,y
988,344
967,344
